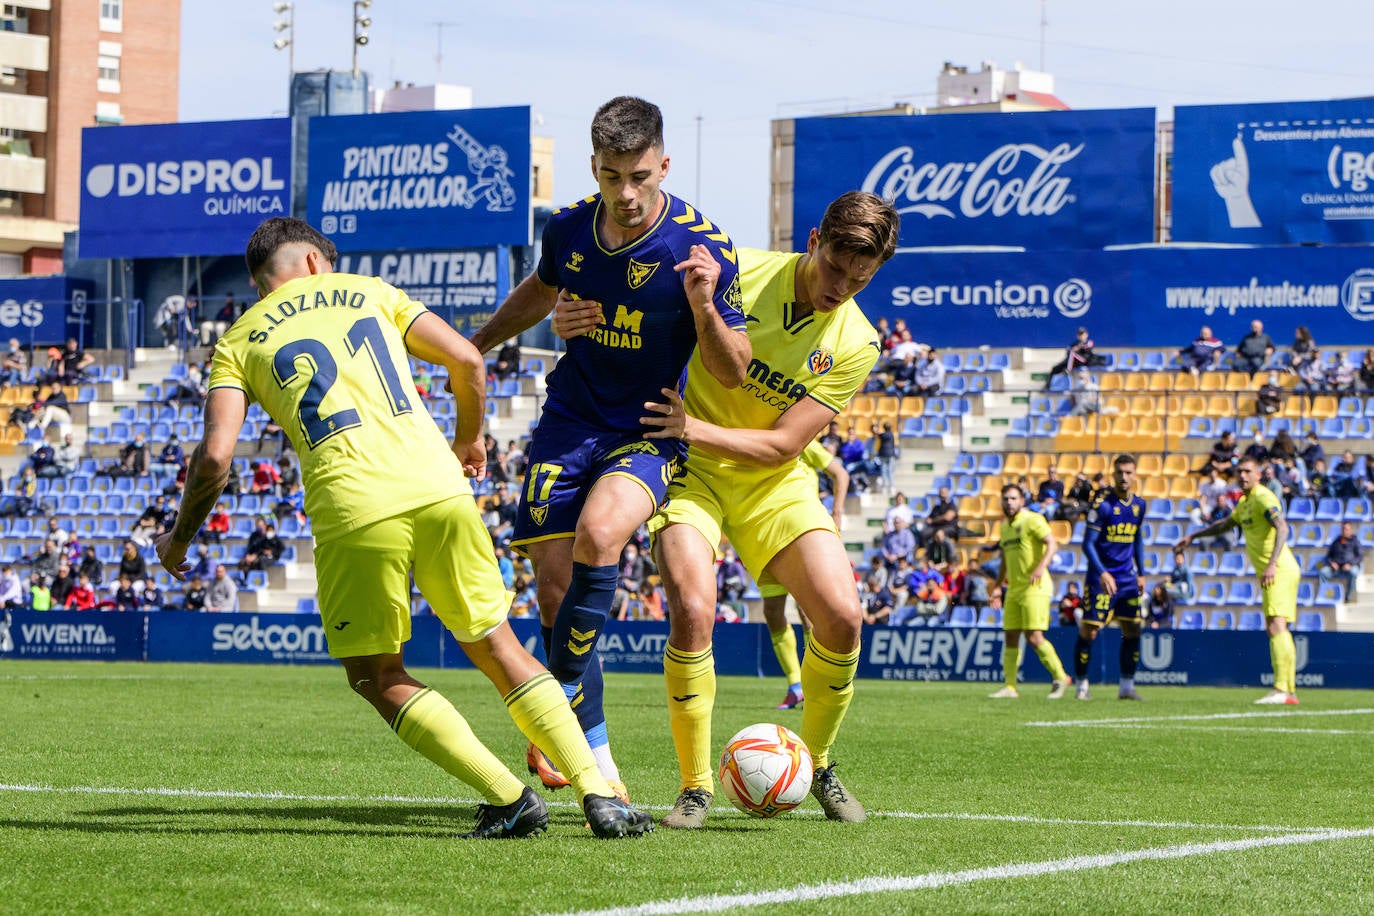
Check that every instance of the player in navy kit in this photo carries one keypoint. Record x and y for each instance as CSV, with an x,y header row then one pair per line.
x,y
1115,548
666,280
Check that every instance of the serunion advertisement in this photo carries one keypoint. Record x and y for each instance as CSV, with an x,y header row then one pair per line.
x,y
71,636
166,190
1078,179
464,286
1274,173
43,310
421,179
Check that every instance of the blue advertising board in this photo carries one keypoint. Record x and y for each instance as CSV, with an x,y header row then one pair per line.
x,y
1274,173
1148,297
44,310
1076,179
71,636
285,639
166,190
421,179
464,286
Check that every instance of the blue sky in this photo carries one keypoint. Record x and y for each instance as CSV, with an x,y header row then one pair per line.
x,y
738,65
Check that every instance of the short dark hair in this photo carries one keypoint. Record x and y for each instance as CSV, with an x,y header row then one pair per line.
x,y
627,124
1011,486
269,237
861,223
1123,458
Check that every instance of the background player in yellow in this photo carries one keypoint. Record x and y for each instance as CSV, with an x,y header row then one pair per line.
x,y
326,354
812,349
823,461
1259,515
1027,547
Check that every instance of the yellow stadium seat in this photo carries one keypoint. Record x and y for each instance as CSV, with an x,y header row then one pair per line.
x,y
1240,381
1176,465
1154,488
1149,465
1184,381
1194,405
911,406
1040,463
1016,463
861,408
1096,463
1220,406
1112,381
1323,407
888,408
1117,403
1062,531
1182,487
1138,381
1162,381
1211,381
1069,464
1175,430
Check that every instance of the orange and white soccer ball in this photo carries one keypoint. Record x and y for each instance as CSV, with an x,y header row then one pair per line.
x,y
765,770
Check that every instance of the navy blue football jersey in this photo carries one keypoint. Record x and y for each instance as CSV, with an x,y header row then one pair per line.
x,y
1117,524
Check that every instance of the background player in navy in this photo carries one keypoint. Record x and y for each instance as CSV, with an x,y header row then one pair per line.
x,y
1115,549
666,281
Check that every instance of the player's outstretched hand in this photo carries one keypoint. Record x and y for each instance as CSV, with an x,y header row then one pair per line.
x,y
699,275
473,457
172,556
1184,542
575,317
669,420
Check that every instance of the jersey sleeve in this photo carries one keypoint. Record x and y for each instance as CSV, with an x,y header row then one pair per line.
x,y
1037,527
816,456
227,372
729,298
550,241
399,308
838,386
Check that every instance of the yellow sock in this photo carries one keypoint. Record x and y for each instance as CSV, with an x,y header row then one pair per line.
x,y
828,682
1284,656
1011,660
429,724
691,681
1050,659
785,647
541,711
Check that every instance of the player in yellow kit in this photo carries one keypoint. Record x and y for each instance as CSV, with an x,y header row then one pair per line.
x,y
1259,515
1027,548
812,350
326,355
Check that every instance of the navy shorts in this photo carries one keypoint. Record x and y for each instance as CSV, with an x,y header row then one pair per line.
x,y
566,459
1100,608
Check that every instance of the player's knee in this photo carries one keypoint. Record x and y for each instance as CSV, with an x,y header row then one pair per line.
x,y
599,541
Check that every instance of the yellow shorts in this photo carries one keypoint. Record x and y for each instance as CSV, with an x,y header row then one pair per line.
x,y
1026,610
1281,598
364,578
761,510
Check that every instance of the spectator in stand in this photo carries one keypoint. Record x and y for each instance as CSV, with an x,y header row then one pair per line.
x,y
1050,494
1292,481
634,569
1312,452
170,460
11,589
1222,457
190,389
43,460
287,474
943,514
1269,397
271,432
1085,394
14,365
884,339
940,550
930,374
1071,605
955,581
151,597
500,515
193,596
154,521
213,330
508,360
1254,350
202,564
1180,584
264,548
1319,483
132,566
67,456
899,542
1159,606
424,381
25,500
46,561
223,593
1078,499
898,582
1345,476
831,438
265,479
496,459
731,577
54,408
900,508
1311,376
885,452
978,587
876,601
1366,371
173,320
1257,449
125,596
1213,499
515,460
905,346
58,535
651,603
40,595
291,504
133,459
82,597
927,590
90,567
526,601
217,525
62,584
1344,560
1203,353
1302,350
1077,355
1340,377
895,337
902,377
71,366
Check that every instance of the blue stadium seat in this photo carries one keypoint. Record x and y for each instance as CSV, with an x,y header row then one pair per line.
x,y
1211,594
305,606
1307,593
1060,383
1332,428
1301,509
1310,622
1153,361
953,362
999,361
964,463
1307,534
1225,425
1020,427
1129,361
935,407
960,407
980,383
1232,563
1201,428
1329,594
956,384
915,427
1358,510
967,485
1250,621
990,618
107,526
1221,620
1350,407
1362,428
1062,562
990,463
1159,507
937,426
114,502
1242,592
1190,620
1167,533
963,616
255,580
976,361
1329,509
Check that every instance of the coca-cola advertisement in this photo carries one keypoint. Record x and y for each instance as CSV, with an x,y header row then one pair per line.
x,y
1034,180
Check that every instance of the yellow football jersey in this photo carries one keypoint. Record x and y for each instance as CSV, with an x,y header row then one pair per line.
x,y
826,357
325,357
1023,540
1252,514
816,456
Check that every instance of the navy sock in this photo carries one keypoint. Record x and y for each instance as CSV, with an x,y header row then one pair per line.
x,y
576,630
1082,653
1130,655
546,640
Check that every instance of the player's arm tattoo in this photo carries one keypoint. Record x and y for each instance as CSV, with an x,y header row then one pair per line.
x,y
205,481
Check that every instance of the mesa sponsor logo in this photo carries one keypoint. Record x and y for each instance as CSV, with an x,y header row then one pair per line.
x,y
279,639
1016,179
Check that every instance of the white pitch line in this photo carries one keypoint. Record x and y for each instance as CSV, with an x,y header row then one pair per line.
x,y
1249,730
1079,723
164,792
86,677
716,903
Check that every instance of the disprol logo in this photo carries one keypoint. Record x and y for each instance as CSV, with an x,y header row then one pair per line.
x,y
1357,294
213,176
1073,297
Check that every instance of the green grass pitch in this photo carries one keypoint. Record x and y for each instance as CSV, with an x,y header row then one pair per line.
x,y
228,789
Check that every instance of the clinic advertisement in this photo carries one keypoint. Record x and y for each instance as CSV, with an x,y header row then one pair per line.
x,y
421,179
44,310
168,190
464,286
1274,173
1064,179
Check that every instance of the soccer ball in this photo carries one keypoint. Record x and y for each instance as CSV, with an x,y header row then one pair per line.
x,y
765,770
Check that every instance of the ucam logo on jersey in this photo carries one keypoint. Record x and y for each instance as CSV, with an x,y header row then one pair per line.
x,y
1080,179
421,179
165,190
